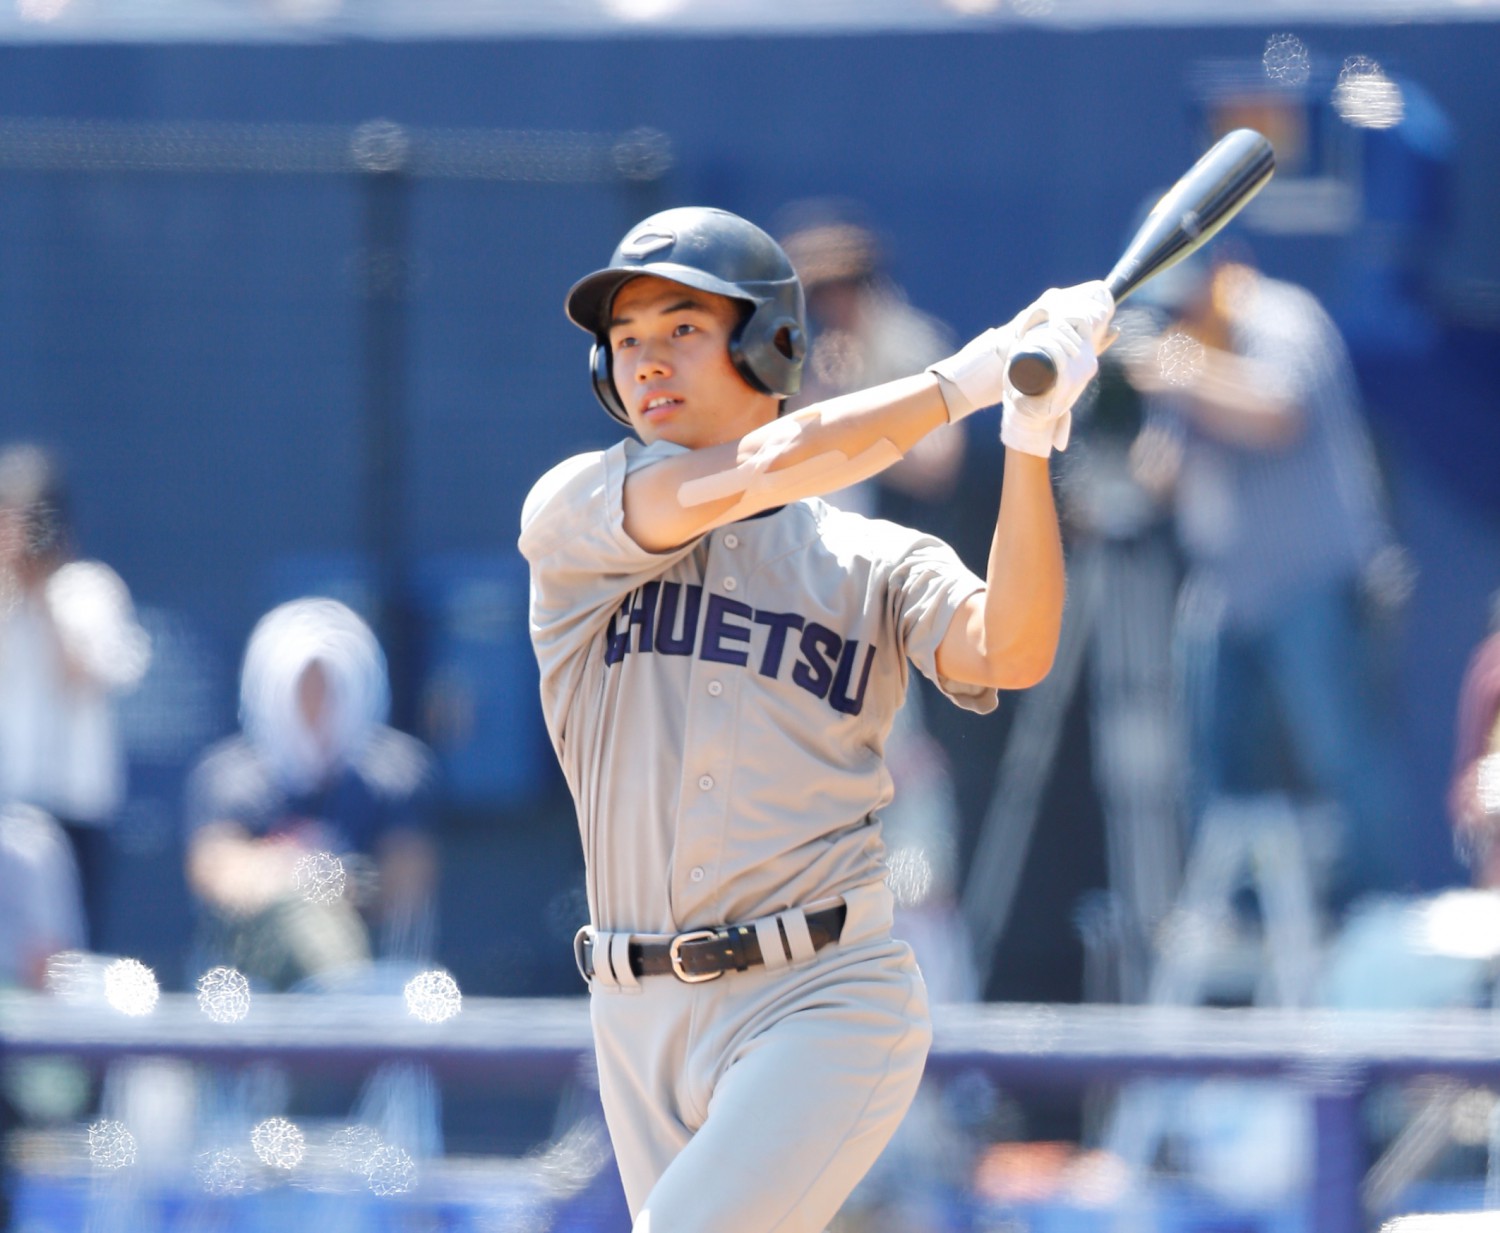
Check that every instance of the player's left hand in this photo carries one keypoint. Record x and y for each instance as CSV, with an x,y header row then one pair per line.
x,y
1072,324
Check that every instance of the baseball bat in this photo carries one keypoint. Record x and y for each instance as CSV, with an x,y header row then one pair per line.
x,y
1211,192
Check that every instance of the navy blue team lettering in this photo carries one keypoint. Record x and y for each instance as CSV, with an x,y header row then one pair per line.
x,y
717,630
840,697
669,642
666,619
780,622
813,672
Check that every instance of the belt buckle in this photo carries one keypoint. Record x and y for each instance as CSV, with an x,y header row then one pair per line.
x,y
674,954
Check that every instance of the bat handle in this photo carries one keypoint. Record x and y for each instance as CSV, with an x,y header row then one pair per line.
x,y
1031,370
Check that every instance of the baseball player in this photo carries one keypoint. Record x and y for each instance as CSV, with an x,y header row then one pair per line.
x,y
721,656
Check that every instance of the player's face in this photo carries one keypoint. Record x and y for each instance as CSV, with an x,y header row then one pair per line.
x,y
670,350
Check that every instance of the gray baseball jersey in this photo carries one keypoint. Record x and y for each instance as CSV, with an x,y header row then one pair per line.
x,y
720,712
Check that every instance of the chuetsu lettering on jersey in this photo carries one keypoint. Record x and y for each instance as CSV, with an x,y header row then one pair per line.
x,y
675,618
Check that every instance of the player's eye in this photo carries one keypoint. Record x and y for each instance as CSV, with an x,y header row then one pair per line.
x,y
684,327
623,342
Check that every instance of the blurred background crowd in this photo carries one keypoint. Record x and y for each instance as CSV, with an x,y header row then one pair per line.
x,y
282,344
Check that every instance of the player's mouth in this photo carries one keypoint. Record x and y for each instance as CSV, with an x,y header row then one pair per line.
x,y
659,407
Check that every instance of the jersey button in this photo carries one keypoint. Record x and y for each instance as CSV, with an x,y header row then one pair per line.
x,y
730,584
696,873
731,540
705,782
715,688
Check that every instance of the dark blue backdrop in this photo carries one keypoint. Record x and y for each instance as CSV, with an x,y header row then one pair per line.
x,y
191,342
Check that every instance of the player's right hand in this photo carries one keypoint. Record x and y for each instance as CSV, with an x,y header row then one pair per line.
x,y
1072,324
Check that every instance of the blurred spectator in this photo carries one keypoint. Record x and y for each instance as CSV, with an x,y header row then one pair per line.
x,y
1254,428
308,833
40,914
69,642
40,909
865,332
1474,798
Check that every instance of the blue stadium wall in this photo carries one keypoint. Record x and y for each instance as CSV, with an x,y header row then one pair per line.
x,y
192,345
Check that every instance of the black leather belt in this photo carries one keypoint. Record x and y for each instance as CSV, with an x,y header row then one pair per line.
x,y
705,954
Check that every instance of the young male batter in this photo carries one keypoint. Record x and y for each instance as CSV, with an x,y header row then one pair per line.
x,y
721,656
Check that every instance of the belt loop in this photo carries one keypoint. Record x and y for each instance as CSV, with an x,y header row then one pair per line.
x,y
869,912
798,939
772,948
604,970
584,937
619,961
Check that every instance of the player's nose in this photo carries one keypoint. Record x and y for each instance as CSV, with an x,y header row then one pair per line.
x,y
651,361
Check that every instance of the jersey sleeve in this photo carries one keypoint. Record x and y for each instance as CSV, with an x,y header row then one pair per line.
x,y
582,561
929,585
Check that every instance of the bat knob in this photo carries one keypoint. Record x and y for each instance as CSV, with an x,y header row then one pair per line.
x,y
1032,371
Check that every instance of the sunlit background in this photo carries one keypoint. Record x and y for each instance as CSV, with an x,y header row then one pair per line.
x,y
281,290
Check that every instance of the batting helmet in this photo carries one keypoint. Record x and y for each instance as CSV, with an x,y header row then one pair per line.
x,y
715,251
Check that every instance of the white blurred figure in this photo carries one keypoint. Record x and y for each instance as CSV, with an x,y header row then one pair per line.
x,y
309,841
69,644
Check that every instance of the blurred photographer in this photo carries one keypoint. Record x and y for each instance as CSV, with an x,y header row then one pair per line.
x,y
1255,436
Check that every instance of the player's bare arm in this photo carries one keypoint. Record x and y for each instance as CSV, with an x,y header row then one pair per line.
x,y
669,346
810,452
1006,635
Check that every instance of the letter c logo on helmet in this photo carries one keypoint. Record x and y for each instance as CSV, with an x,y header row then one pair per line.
x,y
711,250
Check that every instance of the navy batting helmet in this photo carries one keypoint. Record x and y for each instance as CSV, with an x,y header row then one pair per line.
x,y
715,251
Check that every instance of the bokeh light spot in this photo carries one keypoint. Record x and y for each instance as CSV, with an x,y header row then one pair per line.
x,y
278,1143
220,1172
433,996
40,10
1365,97
910,875
390,1171
1286,60
111,1145
224,995
354,1147
130,987
319,877
1181,358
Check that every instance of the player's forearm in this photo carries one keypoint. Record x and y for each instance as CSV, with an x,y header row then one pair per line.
x,y
900,412
1007,636
809,453
1025,583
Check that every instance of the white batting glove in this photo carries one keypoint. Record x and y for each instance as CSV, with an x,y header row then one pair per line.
x,y
974,376
1072,324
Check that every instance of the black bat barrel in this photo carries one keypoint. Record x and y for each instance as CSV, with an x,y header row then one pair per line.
x,y
1211,192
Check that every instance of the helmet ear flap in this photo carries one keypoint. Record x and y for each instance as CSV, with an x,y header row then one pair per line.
x,y
602,376
768,350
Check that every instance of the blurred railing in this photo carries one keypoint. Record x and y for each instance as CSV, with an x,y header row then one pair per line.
x,y
1336,1058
